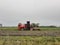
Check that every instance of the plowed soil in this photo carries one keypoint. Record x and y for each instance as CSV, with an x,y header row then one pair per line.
x,y
29,33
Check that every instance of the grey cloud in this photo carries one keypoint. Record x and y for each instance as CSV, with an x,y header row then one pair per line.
x,y
45,12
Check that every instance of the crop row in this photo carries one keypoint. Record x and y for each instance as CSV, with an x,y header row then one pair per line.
x,y
10,40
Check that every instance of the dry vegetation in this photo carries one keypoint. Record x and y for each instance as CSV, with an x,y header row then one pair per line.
x,y
48,36
28,40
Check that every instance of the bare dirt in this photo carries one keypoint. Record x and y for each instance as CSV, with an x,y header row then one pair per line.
x,y
29,33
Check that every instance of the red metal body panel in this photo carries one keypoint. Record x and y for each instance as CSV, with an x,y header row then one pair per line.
x,y
21,26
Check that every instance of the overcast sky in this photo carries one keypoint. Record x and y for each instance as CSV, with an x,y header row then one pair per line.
x,y
45,12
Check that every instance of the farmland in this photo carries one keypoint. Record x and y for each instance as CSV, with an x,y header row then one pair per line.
x,y
46,36
29,40
41,28
13,31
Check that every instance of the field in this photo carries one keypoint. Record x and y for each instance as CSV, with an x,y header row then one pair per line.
x,y
41,28
44,39
29,40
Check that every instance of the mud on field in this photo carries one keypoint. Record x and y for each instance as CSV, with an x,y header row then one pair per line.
x,y
29,33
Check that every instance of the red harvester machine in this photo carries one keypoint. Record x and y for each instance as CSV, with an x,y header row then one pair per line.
x,y
24,26
27,26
